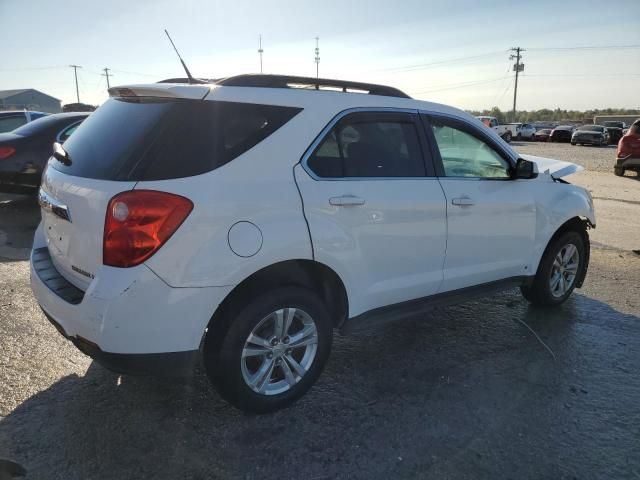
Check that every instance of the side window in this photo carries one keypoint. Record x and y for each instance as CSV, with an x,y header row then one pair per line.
x,y
464,155
66,133
363,146
11,122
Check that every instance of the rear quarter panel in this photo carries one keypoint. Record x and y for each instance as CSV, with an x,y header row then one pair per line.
x,y
257,187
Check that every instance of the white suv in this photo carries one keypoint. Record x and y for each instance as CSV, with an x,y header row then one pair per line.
x,y
241,222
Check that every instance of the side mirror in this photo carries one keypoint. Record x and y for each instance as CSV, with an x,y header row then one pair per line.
x,y
525,169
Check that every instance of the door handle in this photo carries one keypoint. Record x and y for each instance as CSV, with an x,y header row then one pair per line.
x,y
462,201
346,200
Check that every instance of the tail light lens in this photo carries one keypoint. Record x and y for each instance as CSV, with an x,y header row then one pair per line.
x,y
138,223
6,152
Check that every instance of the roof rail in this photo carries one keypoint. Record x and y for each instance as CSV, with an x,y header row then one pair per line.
x,y
290,81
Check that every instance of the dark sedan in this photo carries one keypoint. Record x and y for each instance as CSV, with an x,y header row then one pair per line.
x,y
591,135
561,133
24,151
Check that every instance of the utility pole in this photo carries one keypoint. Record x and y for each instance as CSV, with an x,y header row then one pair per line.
x,y
518,67
75,73
107,74
317,57
260,50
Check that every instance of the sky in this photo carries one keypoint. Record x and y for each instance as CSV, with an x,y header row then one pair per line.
x,y
453,52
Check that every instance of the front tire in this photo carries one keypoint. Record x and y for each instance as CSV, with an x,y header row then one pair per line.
x,y
619,171
560,268
273,351
507,137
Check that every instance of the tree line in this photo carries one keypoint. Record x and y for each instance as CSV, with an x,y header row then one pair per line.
x,y
548,115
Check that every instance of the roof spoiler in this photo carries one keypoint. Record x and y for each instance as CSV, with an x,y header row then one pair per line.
x,y
161,90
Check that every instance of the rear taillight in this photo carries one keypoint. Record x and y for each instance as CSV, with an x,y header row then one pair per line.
x,y
6,152
138,223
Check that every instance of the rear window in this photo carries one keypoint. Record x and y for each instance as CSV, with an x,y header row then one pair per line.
x,y
591,129
141,139
10,122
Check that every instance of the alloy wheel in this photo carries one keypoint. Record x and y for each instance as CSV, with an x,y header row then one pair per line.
x,y
279,351
564,270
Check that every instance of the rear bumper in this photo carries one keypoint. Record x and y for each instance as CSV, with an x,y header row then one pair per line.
x,y
173,364
590,141
628,162
128,319
25,183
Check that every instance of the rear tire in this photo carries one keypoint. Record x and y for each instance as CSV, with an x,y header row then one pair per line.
x,y
561,265
507,137
619,171
254,343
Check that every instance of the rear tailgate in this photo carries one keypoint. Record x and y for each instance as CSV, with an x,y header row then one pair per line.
x,y
73,213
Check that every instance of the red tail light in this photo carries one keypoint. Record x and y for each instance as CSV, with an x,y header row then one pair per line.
x,y
138,223
6,152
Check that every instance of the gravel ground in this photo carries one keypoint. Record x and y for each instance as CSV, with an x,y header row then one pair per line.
x,y
467,392
598,159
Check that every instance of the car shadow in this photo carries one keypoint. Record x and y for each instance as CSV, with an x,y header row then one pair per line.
x,y
468,391
19,218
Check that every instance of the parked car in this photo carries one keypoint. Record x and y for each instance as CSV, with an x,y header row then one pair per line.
x,y
24,152
241,223
628,154
507,132
525,131
591,135
616,131
542,135
10,120
561,133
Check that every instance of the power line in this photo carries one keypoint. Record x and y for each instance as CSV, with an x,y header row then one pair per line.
x,y
18,69
421,66
590,47
133,73
623,74
460,85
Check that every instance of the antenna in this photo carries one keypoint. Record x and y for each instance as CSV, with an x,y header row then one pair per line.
x,y
184,65
260,50
317,56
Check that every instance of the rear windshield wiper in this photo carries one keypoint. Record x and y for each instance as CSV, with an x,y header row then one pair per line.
x,y
61,154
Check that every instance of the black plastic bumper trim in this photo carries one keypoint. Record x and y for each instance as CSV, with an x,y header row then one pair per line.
x,y
46,271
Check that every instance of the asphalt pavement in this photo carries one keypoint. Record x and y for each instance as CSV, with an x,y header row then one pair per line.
x,y
487,389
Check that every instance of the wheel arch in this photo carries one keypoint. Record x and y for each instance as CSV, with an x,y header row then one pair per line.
x,y
310,274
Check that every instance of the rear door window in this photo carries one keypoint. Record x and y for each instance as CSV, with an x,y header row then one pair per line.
x,y
142,139
370,145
